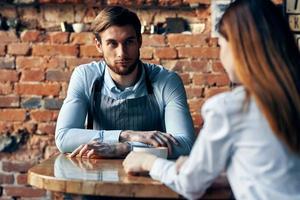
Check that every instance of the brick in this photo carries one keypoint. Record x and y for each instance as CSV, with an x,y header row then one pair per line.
x,y
60,13
30,36
31,13
165,53
22,179
16,166
209,92
43,115
197,120
2,49
180,65
8,37
146,52
32,75
9,101
198,66
89,51
193,92
90,14
6,178
195,104
71,63
54,50
169,3
199,79
12,115
57,75
31,103
170,64
189,17
9,75
59,37
5,88
185,77
53,104
29,62
7,63
82,38
218,67
46,128
23,191
196,52
38,89
184,40
211,79
197,1
160,17
30,126
53,62
8,11
5,127
18,49
212,42
40,63
154,41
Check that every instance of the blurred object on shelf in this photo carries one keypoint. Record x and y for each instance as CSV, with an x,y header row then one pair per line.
x,y
3,24
176,25
78,27
10,142
65,27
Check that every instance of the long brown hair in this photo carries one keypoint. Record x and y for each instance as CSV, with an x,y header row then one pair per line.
x,y
267,62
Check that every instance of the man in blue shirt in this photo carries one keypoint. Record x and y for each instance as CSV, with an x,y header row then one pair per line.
x,y
129,103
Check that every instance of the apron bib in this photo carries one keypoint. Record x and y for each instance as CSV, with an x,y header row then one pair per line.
x,y
138,114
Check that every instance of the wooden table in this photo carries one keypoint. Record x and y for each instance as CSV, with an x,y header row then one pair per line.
x,y
100,177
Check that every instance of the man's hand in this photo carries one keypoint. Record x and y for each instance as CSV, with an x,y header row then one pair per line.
x,y
97,149
154,138
138,162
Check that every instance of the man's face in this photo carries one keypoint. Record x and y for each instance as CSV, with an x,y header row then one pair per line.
x,y
120,47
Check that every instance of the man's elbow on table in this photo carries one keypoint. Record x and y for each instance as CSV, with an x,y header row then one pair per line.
x,y
59,138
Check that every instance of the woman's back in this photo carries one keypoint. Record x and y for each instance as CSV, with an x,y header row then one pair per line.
x,y
260,166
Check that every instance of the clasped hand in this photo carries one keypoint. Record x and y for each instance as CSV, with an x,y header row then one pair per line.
x,y
154,138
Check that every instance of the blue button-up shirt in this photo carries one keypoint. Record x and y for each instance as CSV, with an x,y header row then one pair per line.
x,y
168,90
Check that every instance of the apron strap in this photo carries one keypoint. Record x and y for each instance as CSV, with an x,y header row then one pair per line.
x,y
97,85
147,80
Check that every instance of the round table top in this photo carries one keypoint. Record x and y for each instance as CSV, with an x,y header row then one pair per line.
x,y
103,177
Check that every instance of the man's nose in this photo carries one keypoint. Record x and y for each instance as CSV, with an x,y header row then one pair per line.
x,y
121,51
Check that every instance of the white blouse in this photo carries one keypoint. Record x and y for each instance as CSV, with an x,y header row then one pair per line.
x,y
257,164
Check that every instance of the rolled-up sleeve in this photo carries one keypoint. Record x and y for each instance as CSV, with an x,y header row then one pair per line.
x,y
208,158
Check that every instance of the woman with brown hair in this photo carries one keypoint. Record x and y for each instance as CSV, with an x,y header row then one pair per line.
x,y
251,132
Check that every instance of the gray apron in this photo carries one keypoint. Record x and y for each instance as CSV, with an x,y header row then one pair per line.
x,y
138,114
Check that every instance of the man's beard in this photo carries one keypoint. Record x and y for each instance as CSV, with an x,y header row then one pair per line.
x,y
128,70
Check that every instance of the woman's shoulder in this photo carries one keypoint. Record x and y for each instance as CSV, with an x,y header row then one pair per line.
x,y
228,102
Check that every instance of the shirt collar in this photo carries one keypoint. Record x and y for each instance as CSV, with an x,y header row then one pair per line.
x,y
112,86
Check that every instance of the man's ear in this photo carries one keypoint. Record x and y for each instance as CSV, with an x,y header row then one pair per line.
x,y
98,46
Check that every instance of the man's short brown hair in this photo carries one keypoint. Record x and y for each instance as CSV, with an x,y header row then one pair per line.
x,y
115,16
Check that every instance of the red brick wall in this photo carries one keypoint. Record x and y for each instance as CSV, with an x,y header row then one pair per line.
x,y
36,64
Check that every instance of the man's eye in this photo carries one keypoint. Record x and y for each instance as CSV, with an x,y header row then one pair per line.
x,y
129,42
112,44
